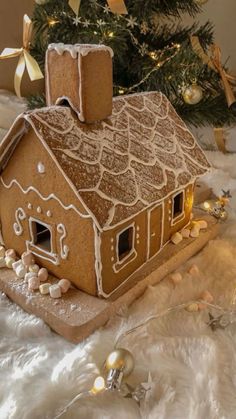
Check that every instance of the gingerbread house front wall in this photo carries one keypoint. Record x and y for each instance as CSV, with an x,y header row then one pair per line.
x,y
40,212
131,244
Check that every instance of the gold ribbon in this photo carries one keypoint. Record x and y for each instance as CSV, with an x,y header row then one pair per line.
x,y
116,6
25,59
220,139
214,62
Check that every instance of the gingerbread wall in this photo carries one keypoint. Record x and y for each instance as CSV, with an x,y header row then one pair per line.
x,y
153,228
22,187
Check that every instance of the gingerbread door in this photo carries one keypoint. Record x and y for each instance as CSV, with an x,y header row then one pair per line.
x,y
155,232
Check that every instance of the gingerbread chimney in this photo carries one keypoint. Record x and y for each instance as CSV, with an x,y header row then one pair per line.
x,y
81,75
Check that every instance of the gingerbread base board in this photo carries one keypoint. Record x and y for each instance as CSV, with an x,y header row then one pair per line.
x,y
76,315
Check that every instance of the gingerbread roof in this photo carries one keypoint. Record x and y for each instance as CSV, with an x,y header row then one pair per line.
x,y
122,165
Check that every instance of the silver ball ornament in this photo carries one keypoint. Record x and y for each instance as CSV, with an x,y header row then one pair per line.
x,y
192,94
120,359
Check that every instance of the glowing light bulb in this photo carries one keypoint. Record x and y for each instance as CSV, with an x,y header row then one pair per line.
x,y
110,34
121,91
206,205
98,385
52,22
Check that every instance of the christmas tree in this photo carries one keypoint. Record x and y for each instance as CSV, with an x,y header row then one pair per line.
x,y
152,50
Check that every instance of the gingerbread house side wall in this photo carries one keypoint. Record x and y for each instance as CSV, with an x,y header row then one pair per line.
x,y
151,230
33,192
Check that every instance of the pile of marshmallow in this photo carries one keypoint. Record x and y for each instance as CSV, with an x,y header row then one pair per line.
x,y
205,296
36,277
192,231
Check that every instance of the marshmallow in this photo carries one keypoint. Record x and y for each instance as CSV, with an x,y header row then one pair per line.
x,y
176,278
43,274
195,231
2,263
27,258
185,233
176,238
9,262
10,253
21,271
34,268
207,296
16,264
33,283
64,284
55,291
202,224
44,288
193,270
2,252
191,308
29,275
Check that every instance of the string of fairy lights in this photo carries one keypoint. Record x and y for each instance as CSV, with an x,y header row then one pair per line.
x,y
192,94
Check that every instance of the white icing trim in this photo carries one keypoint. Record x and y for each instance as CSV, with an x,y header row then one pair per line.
x,y
149,228
1,237
181,216
37,250
51,196
122,263
98,262
68,99
64,248
19,216
79,49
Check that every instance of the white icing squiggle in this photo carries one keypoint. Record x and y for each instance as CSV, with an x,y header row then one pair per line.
x,y
64,248
51,196
81,49
20,216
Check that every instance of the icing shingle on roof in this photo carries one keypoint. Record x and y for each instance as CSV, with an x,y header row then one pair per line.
x,y
126,163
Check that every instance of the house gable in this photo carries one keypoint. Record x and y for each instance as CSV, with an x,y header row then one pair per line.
x,y
35,191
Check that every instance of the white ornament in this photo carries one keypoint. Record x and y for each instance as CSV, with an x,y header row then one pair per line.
x,y
40,167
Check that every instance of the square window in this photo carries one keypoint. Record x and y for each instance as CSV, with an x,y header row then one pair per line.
x,y
125,242
178,204
41,236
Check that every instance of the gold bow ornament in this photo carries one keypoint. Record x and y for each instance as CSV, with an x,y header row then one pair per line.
x,y
25,59
116,6
214,62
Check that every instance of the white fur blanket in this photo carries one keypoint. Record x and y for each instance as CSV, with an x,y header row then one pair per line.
x,y
193,369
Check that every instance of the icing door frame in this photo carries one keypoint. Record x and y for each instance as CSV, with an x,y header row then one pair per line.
x,y
155,230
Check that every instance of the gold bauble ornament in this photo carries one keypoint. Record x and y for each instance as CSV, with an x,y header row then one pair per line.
x,y
120,359
192,94
201,2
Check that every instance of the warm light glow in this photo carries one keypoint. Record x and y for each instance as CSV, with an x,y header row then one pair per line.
x,y
110,34
52,22
178,46
153,55
98,385
206,205
121,91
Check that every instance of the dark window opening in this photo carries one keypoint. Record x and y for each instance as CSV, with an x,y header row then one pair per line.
x,y
178,204
125,243
42,236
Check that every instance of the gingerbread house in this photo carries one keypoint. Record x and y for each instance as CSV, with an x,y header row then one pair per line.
x,y
95,202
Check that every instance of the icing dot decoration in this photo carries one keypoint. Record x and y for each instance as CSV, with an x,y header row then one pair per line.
x,y
40,167
30,206
49,214
39,210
